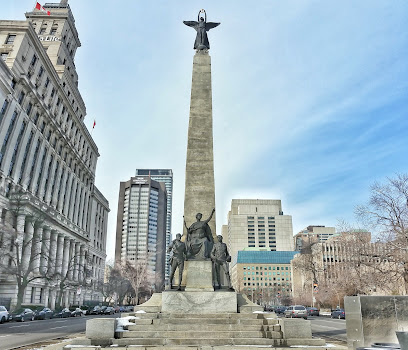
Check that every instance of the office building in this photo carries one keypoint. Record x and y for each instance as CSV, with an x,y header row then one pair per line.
x,y
48,160
264,276
141,227
313,234
258,223
165,176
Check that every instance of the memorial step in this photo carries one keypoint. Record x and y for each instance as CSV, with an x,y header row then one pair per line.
x,y
191,327
246,321
201,334
198,341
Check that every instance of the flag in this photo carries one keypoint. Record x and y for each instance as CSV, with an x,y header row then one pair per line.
x,y
93,126
39,7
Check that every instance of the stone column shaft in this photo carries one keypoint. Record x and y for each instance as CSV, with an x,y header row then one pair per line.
x,y
71,261
49,257
65,260
77,260
36,250
199,186
60,253
81,271
27,245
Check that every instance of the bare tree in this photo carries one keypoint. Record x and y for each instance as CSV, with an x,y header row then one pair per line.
x,y
387,214
20,243
138,275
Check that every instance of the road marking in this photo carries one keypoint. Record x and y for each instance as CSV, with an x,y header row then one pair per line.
x,y
2,336
60,321
327,327
58,327
24,325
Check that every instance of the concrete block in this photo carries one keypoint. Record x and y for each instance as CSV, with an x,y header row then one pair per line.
x,y
199,302
295,328
100,329
372,319
247,306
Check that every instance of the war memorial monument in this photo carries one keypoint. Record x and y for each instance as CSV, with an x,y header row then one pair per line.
x,y
197,311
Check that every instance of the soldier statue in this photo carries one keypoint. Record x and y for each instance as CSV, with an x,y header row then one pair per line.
x,y
178,249
199,240
220,258
202,27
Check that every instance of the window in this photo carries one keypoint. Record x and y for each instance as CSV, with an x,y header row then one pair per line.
x,y
40,72
29,108
3,110
53,31
21,97
35,119
10,39
16,147
4,55
52,92
7,136
42,30
47,81
33,60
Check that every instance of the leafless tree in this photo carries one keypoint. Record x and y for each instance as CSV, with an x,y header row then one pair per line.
x,y
21,252
386,213
138,275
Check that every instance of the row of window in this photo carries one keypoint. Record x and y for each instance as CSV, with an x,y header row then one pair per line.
x,y
266,268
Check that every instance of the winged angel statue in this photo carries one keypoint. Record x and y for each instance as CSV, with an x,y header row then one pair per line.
x,y
202,27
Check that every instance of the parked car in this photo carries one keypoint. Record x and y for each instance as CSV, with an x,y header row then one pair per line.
x,y
338,313
130,308
117,309
62,313
296,311
42,313
75,311
103,308
280,309
85,309
95,311
313,311
109,310
4,315
23,314
122,309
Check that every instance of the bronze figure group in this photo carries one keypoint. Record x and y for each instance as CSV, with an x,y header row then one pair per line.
x,y
199,245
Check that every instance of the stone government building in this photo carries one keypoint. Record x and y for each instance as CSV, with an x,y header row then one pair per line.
x,y
47,153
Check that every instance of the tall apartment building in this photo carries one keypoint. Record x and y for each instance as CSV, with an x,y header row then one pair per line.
x,y
165,176
258,223
141,226
313,234
48,159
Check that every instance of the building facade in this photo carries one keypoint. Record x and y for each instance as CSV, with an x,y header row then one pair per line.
x,y
141,227
313,234
165,176
48,160
264,276
258,223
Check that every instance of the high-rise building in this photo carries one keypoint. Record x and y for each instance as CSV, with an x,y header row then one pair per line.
x,y
258,223
313,234
165,176
48,161
141,227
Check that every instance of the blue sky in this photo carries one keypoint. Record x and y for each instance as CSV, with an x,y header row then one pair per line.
x,y
310,98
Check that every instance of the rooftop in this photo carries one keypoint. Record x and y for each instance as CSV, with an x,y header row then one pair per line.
x,y
264,257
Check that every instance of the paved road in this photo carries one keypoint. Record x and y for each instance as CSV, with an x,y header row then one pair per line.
x,y
16,334
328,328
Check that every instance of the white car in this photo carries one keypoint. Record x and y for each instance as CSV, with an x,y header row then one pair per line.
x,y
4,315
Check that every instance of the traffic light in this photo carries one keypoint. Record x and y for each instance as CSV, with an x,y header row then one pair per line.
x,y
315,287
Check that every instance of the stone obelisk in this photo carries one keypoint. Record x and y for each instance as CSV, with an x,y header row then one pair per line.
x,y
199,188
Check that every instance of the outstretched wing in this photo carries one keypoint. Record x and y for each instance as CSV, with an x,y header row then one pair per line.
x,y
211,25
193,24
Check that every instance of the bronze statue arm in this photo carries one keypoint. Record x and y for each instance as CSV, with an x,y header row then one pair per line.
x,y
211,215
185,225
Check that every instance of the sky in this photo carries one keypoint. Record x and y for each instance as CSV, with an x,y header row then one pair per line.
x,y
310,98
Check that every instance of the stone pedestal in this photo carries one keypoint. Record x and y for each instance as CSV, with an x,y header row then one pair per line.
x,y
199,276
199,302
